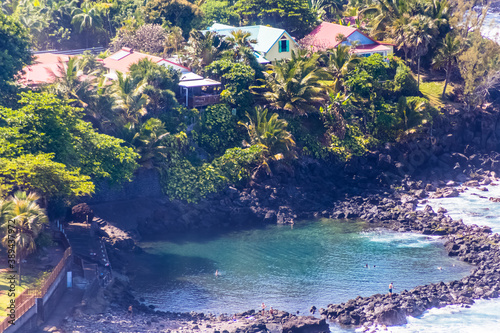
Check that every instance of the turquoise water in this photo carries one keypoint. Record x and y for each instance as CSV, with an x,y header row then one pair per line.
x,y
315,263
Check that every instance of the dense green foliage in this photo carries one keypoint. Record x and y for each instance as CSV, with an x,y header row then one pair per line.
x,y
331,104
41,174
45,124
15,48
191,183
236,78
217,130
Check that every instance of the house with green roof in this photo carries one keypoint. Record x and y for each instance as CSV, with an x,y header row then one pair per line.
x,y
271,43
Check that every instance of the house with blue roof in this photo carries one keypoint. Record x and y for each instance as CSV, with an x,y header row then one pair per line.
x,y
271,43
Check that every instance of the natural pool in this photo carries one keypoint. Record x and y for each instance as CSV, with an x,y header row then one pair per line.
x,y
315,263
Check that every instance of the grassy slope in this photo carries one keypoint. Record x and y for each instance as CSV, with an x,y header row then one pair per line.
x,y
433,90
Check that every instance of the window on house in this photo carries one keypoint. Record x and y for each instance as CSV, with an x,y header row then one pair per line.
x,y
283,45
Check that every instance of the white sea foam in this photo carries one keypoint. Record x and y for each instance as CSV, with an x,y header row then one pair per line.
x,y
399,239
483,316
473,207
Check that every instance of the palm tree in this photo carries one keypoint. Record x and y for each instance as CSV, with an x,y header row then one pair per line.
x,y
271,134
295,85
28,218
338,62
399,33
438,11
86,18
384,12
410,111
129,98
149,142
446,56
333,114
205,48
68,81
420,34
242,44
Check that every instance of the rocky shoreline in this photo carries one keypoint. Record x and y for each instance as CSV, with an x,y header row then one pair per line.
x,y
472,244
395,211
382,188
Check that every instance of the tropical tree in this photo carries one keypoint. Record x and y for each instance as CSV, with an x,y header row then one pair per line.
x,y
204,48
295,85
160,82
28,218
68,82
447,56
438,10
129,98
333,114
87,18
174,41
410,111
339,61
271,134
149,142
384,12
399,33
15,46
241,41
420,34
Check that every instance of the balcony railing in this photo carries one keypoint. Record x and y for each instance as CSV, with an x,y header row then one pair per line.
x,y
203,100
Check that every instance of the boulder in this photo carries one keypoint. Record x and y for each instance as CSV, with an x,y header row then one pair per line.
x,y
308,324
82,213
391,315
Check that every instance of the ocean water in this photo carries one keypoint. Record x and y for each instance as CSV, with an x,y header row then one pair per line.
x,y
315,263
491,27
473,207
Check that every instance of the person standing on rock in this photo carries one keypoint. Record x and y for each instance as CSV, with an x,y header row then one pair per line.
x,y
263,308
390,289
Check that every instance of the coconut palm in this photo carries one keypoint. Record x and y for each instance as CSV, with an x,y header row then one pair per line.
x,y
149,142
87,18
420,34
269,132
242,44
410,112
438,11
205,48
28,218
129,98
338,62
295,85
399,33
333,114
446,56
384,12
68,82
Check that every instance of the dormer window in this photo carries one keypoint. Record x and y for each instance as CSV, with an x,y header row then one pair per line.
x,y
283,44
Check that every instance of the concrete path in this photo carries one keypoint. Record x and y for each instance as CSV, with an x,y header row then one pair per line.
x,y
71,297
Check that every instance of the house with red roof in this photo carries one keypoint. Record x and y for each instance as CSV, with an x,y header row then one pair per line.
x,y
330,35
194,90
43,69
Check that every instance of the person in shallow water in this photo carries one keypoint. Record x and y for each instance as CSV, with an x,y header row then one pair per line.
x,y
390,289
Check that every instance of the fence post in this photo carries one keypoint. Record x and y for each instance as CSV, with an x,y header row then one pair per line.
x,y
39,310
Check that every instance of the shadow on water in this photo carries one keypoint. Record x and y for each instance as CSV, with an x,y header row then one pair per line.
x,y
208,235
316,262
